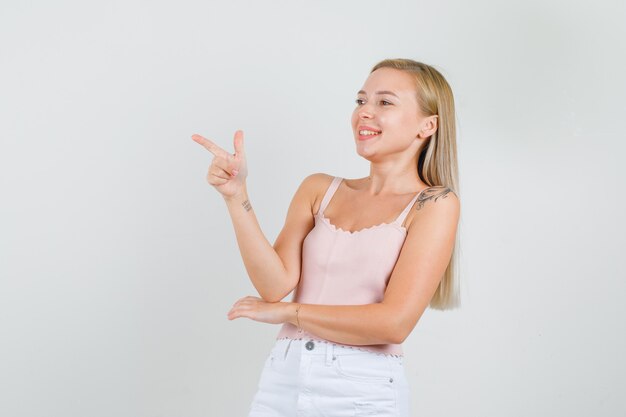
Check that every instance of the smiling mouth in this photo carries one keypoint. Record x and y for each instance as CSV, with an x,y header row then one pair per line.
x,y
366,132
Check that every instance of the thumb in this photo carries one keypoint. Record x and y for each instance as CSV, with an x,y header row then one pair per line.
x,y
238,141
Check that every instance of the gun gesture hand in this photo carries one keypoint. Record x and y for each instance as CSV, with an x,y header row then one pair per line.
x,y
227,172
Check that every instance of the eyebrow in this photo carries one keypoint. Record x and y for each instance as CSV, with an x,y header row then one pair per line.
x,y
380,92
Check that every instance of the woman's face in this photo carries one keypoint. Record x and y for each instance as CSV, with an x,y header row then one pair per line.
x,y
387,118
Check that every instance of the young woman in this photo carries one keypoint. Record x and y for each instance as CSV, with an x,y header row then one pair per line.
x,y
365,256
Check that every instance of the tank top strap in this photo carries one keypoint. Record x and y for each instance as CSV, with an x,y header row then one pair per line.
x,y
329,194
406,210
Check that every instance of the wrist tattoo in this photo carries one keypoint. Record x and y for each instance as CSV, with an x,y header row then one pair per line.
x,y
246,204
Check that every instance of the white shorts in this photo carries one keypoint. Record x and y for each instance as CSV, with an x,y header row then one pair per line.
x,y
309,378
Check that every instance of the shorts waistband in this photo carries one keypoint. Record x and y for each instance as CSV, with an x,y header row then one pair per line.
x,y
311,346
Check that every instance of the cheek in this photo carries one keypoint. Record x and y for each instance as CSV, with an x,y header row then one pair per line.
x,y
408,123
354,119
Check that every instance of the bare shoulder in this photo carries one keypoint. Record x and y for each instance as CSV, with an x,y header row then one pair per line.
x,y
317,182
314,186
319,178
438,193
435,202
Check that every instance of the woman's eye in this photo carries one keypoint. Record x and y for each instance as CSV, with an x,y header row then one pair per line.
x,y
359,101
385,102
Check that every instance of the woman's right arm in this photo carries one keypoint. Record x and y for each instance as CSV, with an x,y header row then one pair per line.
x,y
274,271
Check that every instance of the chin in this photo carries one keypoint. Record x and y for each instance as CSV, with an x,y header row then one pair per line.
x,y
363,153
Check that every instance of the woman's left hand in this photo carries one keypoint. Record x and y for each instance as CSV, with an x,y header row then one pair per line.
x,y
256,308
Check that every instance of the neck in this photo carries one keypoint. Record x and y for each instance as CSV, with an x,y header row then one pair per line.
x,y
393,184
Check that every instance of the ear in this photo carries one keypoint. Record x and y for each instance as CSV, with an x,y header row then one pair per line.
x,y
429,127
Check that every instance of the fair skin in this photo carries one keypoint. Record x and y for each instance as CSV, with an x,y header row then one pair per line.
x,y
387,103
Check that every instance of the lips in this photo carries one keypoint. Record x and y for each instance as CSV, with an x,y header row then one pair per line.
x,y
368,132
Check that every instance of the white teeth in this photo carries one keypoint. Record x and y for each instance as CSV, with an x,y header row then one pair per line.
x,y
367,132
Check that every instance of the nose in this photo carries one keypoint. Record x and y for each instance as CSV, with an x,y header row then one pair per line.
x,y
365,112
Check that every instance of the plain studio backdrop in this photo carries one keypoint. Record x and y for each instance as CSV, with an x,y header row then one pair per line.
x,y
118,262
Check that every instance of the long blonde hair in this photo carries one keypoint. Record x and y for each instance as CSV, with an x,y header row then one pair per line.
x,y
437,161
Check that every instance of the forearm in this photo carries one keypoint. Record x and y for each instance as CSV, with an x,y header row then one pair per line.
x,y
367,324
264,266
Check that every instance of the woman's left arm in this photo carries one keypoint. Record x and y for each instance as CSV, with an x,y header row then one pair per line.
x,y
421,264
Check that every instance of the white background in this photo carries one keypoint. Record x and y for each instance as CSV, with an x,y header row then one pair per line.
x,y
118,262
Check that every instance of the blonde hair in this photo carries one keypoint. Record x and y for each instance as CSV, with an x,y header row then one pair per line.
x,y
437,160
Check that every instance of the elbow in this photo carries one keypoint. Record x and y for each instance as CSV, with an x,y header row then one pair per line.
x,y
397,336
275,295
397,331
272,297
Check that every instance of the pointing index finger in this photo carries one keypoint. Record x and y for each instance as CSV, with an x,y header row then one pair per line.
x,y
210,146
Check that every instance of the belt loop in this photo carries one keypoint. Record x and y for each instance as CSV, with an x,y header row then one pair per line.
x,y
287,349
329,354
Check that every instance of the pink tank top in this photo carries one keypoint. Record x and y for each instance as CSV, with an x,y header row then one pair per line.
x,y
340,267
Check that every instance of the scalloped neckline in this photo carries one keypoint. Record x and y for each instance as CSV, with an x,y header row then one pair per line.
x,y
334,228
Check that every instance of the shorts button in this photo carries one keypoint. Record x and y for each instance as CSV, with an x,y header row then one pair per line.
x,y
309,345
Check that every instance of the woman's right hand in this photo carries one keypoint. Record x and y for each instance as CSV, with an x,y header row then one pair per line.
x,y
227,172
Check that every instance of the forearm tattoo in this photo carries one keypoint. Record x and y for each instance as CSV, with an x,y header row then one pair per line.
x,y
432,193
246,204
